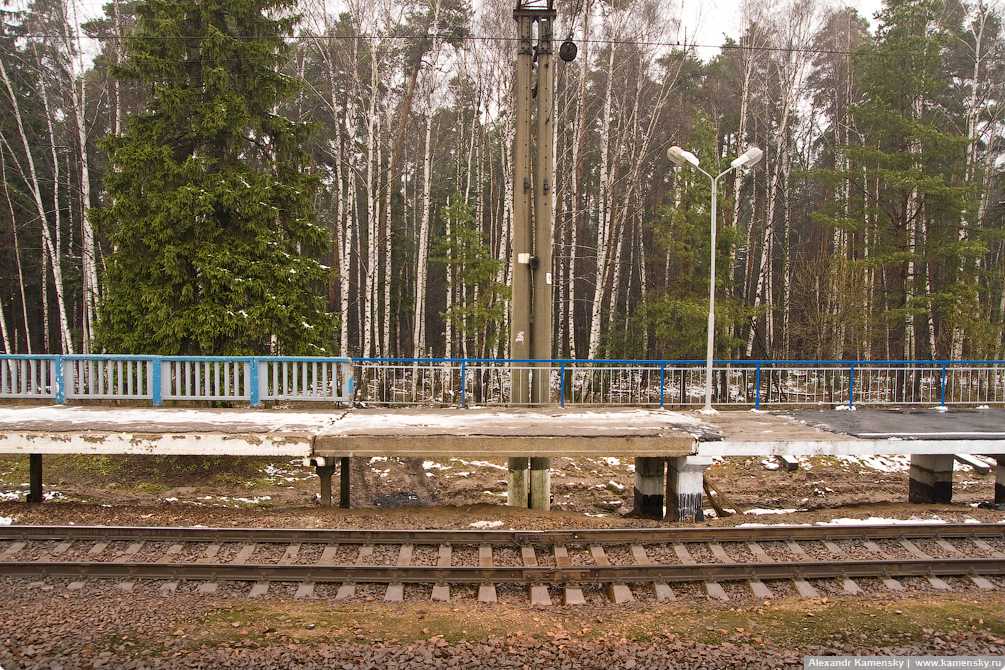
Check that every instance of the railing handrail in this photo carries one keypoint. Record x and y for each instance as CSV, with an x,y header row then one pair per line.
x,y
655,361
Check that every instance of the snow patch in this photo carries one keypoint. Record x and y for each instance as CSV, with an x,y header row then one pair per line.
x,y
6,520
763,512
485,525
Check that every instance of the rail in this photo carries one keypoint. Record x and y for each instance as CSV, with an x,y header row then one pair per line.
x,y
460,382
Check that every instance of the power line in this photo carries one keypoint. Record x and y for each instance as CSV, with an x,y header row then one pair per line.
x,y
488,38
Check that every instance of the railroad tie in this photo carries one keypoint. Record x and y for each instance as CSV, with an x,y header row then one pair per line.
x,y
395,592
12,550
305,591
616,593
981,544
538,593
328,555
97,549
797,551
712,589
290,555
244,553
170,554
913,549
805,589
833,547
758,588
486,592
441,592
876,549
848,585
210,553
129,553
661,589
60,548
348,589
573,593
946,547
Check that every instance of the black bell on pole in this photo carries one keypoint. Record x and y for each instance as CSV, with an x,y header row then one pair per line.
x,y
568,51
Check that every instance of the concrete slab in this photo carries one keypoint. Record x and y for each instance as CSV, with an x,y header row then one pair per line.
x,y
507,432
859,432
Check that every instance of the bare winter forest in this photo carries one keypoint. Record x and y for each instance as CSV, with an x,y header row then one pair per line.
x,y
872,229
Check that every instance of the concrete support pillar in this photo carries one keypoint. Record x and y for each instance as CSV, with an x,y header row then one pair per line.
x,y
516,493
1000,480
649,488
931,478
684,487
343,500
325,475
540,484
35,478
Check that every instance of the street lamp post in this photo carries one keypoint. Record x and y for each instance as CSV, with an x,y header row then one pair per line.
x,y
748,158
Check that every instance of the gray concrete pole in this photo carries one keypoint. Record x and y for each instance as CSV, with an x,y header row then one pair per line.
x,y
544,189
343,500
325,475
520,303
35,478
516,493
931,478
540,484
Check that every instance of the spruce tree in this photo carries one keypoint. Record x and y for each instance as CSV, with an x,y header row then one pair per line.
x,y
209,202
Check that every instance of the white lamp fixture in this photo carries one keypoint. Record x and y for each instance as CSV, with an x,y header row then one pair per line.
x,y
748,158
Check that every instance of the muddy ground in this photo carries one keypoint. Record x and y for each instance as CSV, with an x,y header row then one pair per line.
x,y
43,625
455,493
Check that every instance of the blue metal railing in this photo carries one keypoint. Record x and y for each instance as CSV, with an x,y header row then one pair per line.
x,y
460,382
172,378
681,383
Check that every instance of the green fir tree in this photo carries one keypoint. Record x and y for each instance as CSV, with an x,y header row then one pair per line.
x,y
209,204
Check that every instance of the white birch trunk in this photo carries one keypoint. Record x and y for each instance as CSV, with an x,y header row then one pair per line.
x,y
32,179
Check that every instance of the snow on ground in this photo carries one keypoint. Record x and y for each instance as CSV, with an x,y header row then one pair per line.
x,y
259,418
6,520
485,525
761,512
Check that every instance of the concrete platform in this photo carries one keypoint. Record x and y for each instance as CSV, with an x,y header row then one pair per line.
x,y
860,432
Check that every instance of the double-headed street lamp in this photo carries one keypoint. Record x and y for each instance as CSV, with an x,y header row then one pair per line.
x,y
678,157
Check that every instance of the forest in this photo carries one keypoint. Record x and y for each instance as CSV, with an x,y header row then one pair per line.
x,y
271,176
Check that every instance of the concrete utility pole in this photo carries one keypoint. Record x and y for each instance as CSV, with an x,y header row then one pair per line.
x,y
531,303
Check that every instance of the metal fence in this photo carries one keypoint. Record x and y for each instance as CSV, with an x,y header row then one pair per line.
x,y
173,378
461,382
681,383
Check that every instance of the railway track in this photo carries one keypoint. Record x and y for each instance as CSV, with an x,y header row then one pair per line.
x,y
758,560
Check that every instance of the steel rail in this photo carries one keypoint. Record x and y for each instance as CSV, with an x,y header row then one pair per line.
x,y
503,537
716,572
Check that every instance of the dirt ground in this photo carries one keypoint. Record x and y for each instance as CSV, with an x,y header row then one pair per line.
x,y
43,626
456,493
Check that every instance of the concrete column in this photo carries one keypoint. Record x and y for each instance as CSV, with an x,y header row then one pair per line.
x,y
1000,480
325,475
35,478
931,478
343,500
649,488
684,487
516,494
540,484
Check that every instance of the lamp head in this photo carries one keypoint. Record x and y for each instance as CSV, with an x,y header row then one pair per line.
x,y
679,156
750,157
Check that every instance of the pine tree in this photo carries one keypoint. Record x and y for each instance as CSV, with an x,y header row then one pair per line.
x,y
209,202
